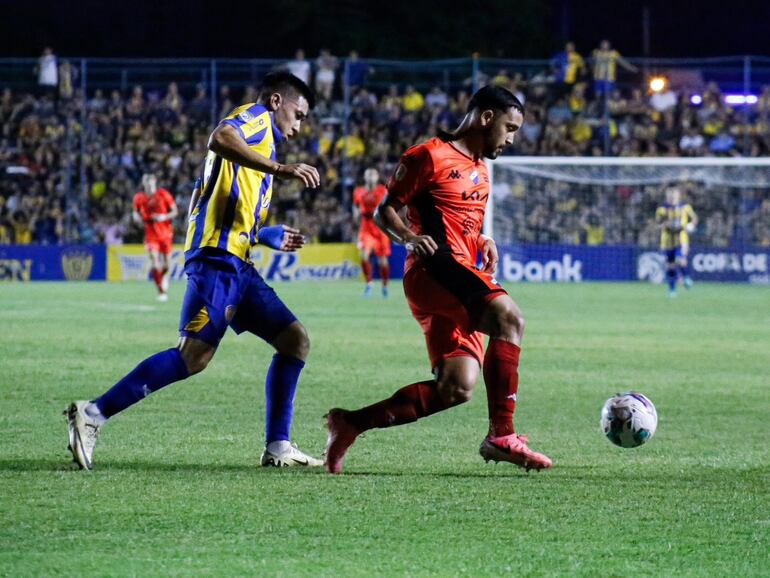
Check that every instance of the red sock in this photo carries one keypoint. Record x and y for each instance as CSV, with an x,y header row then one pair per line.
x,y
501,376
366,266
157,276
408,404
385,274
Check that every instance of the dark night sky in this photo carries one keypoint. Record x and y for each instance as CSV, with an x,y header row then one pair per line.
x,y
396,28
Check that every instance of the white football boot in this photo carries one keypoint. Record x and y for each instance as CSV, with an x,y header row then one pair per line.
x,y
83,433
290,457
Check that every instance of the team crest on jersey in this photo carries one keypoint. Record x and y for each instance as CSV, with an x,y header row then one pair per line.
x,y
475,177
246,116
400,172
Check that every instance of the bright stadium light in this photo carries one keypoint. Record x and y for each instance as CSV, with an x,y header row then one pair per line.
x,y
658,83
696,99
739,99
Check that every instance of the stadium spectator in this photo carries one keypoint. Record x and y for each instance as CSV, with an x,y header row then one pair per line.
x,y
300,67
165,131
47,71
605,60
326,72
568,68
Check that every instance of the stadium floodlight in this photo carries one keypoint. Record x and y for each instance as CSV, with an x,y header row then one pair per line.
x,y
739,99
658,83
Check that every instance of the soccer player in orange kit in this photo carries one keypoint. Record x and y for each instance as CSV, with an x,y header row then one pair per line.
x,y
370,238
155,208
444,184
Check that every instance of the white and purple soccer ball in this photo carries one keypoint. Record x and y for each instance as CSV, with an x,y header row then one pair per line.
x,y
629,419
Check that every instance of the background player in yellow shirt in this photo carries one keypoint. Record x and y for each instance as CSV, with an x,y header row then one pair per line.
x,y
224,288
676,221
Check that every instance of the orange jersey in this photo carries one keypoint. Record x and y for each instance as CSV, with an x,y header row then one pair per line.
x,y
446,194
149,206
367,201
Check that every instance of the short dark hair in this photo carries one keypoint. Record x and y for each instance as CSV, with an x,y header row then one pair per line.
x,y
282,80
492,97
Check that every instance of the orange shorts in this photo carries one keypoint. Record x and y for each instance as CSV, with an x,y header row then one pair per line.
x,y
446,298
162,246
377,242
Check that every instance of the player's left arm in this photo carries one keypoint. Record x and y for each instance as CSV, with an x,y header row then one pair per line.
x,y
626,64
489,254
692,219
281,238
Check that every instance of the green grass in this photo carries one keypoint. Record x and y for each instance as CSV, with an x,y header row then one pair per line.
x,y
177,490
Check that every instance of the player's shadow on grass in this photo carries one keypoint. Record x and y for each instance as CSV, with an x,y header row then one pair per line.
x,y
62,465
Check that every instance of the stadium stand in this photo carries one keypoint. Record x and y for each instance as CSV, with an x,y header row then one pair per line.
x,y
70,165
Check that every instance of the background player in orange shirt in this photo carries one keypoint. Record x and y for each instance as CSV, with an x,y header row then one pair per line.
x,y
155,208
444,184
370,238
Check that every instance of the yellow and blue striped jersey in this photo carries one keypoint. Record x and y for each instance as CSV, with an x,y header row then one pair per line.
x,y
675,219
234,200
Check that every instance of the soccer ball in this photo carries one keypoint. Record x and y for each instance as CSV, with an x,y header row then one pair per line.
x,y
629,419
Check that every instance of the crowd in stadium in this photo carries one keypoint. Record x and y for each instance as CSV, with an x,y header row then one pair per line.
x,y
46,149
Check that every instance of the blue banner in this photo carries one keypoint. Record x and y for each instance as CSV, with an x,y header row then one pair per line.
x,y
571,263
738,265
525,262
53,263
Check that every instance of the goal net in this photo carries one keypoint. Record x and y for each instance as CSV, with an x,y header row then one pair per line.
x,y
585,218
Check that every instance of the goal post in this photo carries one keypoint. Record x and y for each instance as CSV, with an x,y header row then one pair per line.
x,y
593,218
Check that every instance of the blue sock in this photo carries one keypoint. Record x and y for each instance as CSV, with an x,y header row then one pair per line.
x,y
280,387
684,270
671,275
150,375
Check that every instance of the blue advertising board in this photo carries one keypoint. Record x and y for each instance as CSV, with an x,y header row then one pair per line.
x,y
53,263
524,262
571,263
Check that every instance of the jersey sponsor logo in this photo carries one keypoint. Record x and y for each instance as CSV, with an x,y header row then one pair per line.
x,y
470,226
475,196
246,116
454,174
199,321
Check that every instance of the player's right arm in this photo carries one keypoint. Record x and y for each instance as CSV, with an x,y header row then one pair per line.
x,y
228,143
390,222
411,178
136,214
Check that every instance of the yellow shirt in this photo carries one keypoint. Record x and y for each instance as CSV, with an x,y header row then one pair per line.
x,y
351,146
594,235
413,101
605,64
574,65
234,200
675,219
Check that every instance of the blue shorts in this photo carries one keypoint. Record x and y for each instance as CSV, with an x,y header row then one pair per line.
x,y
223,291
673,254
603,86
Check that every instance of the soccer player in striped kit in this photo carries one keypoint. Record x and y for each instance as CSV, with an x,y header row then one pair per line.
x,y
223,287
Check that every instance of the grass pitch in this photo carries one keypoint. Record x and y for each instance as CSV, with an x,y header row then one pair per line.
x,y
177,489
